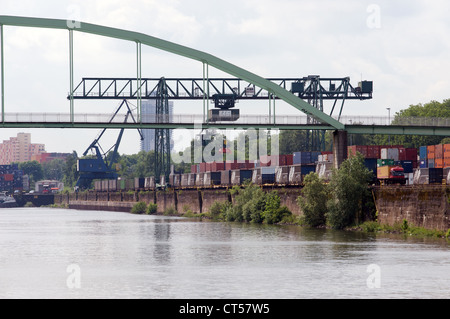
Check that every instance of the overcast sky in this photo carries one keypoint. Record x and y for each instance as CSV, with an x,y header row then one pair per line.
x,y
402,46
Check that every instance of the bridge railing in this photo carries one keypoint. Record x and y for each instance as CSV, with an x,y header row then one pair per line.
x,y
244,119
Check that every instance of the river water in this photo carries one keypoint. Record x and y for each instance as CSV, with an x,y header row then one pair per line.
x,y
59,253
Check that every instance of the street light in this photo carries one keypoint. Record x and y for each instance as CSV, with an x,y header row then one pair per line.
x,y
389,121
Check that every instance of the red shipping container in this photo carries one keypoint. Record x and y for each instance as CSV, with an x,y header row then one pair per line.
x,y
373,151
217,166
439,163
231,165
411,154
351,150
193,169
439,151
290,159
8,177
202,167
402,154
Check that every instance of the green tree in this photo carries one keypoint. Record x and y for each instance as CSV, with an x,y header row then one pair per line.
x,y
70,170
33,169
54,170
433,109
313,200
348,186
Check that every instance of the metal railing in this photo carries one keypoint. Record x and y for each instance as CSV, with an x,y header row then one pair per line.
x,y
87,118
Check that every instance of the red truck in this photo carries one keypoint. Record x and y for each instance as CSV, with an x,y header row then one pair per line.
x,y
391,175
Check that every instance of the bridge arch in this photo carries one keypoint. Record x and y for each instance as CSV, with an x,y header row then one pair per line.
x,y
140,38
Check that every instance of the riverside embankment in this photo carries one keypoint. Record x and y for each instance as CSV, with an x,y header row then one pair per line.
x,y
424,206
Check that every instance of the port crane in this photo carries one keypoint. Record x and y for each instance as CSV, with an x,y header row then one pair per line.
x,y
102,166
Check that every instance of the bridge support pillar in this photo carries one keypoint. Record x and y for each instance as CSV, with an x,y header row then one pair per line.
x,y
339,147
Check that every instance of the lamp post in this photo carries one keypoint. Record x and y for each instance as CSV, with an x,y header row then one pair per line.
x,y
389,121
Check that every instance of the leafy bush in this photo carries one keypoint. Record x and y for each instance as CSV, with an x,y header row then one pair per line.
x,y
348,186
152,208
218,209
313,201
139,208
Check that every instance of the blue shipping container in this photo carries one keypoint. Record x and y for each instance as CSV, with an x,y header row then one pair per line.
x,y
423,164
315,156
267,178
308,169
407,166
245,175
423,153
301,158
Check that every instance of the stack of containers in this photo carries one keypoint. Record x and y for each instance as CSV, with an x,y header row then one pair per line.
x,y
423,163
11,178
446,155
430,155
439,156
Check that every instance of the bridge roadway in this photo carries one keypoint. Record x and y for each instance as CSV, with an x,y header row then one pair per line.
x,y
353,124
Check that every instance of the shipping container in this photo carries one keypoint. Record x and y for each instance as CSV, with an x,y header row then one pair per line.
x,y
139,183
430,152
439,163
431,163
435,175
239,177
112,185
289,159
411,154
301,158
407,166
256,176
149,182
385,162
184,180
282,175
423,164
324,170
373,151
199,179
225,177
352,150
371,165
191,180
422,153
439,151
390,153
194,168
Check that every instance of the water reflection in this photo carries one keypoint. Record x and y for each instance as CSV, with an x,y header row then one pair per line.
x,y
123,255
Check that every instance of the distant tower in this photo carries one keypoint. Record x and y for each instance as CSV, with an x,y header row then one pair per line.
x,y
148,108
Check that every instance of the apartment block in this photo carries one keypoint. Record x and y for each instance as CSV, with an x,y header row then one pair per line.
x,y
19,149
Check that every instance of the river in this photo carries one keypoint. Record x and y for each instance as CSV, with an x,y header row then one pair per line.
x,y
61,253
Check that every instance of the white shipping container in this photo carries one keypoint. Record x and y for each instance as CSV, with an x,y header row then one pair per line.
x,y
390,153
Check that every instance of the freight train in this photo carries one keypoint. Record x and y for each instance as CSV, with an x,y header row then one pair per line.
x,y
389,164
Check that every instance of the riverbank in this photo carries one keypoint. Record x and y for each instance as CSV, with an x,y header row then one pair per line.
x,y
424,207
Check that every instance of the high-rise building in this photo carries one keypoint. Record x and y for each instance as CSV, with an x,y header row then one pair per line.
x,y
19,149
148,110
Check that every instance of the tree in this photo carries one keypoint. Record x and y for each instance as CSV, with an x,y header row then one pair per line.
x,y
348,186
433,109
313,200
70,170
33,169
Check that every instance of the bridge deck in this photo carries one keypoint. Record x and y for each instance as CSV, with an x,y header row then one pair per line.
x,y
353,124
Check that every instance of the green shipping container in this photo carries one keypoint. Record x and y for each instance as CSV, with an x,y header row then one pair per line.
x,y
385,162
